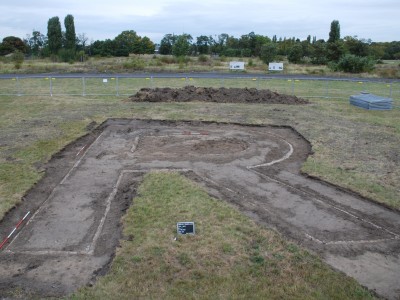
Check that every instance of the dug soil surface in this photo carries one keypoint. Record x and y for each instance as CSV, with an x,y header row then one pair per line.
x,y
74,228
219,95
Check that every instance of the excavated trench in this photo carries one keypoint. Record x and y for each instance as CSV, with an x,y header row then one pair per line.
x,y
70,237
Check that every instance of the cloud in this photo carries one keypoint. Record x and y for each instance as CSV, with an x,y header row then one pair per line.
x,y
377,20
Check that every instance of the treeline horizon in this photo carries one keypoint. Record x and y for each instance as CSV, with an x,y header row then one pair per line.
x,y
348,53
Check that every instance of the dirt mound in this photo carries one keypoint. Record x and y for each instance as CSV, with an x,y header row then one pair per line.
x,y
220,95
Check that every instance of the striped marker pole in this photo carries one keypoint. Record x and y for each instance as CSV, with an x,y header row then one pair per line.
x,y
15,228
194,133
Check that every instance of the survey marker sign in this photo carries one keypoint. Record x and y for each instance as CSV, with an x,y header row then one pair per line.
x,y
185,228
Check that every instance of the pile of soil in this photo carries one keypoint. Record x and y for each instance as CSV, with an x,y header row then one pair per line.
x,y
220,95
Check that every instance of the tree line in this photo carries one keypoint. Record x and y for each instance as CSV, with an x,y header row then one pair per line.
x,y
67,46
349,54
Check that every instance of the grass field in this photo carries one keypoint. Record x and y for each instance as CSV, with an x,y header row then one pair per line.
x,y
353,148
230,257
166,63
120,86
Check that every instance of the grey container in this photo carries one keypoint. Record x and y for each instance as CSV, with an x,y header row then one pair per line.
x,y
371,102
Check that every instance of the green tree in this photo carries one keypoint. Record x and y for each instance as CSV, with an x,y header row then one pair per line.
x,y
246,44
260,40
110,48
318,53
203,44
232,42
146,46
36,42
70,36
219,46
284,46
335,47
128,40
167,43
354,64
377,50
11,44
391,50
296,53
182,45
96,48
268,52
314,39
54,35
307,47
335,50
107,48
81,41
334,33
355,46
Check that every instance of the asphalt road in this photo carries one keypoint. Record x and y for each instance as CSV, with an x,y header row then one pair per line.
x,y
195,75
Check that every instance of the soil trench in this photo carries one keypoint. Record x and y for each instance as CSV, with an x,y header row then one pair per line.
x,y
73,231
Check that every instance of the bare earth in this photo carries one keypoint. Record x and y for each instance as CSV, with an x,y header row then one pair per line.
x,y
72,234
219,95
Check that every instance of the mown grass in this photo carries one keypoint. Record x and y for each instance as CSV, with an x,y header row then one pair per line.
x,y
230,257
354,148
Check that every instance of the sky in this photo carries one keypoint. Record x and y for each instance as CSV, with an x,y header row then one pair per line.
x,y
100,20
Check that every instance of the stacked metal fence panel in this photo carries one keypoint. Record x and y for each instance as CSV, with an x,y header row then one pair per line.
x,y
371,102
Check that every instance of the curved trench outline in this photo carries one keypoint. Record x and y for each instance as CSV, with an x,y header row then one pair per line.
x,y
285,157
90,249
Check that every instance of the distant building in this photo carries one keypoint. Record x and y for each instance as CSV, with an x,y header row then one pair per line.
x,y
157,49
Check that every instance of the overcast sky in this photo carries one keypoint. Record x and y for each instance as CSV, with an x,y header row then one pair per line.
x,y
376,20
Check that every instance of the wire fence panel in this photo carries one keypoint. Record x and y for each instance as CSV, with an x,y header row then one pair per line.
x,y
282,86
9,86
34,86
67,86
125,85
177,82
380,88
310,88
342,89
130,86
100,86
205,82
395,92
